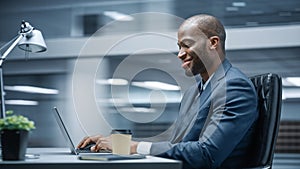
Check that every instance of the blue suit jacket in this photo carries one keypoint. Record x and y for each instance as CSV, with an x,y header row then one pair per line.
x,y
223,139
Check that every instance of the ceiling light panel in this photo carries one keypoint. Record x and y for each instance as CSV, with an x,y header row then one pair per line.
x,y
116,82
31,89
156,85
239,4
21,102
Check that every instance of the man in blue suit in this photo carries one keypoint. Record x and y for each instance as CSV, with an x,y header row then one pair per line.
x,y
217,116
228,104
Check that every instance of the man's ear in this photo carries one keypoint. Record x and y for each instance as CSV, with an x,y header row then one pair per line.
x,y
214,42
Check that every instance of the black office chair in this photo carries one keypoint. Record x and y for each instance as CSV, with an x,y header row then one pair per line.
x,y
269,91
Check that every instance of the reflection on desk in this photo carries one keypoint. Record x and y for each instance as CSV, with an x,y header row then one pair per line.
x,y
61,158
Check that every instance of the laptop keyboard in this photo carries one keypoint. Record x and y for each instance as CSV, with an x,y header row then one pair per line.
x,y
89,151
83,151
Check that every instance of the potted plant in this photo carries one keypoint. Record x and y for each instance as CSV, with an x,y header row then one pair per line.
x,y
14,135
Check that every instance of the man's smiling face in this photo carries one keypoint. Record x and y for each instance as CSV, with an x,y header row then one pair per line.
x,y
193,49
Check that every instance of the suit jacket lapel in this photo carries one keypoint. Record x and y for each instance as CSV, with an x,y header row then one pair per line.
x,y
214,82
205,100
188,112
220,73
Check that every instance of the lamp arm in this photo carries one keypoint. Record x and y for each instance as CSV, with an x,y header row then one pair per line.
x,y
12,44
16,40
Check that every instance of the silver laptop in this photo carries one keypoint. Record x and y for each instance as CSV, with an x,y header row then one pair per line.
x,y
66,134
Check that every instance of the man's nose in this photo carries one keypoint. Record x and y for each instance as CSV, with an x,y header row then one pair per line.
x,y
181,54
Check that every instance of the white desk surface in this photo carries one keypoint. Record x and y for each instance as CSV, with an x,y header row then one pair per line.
x,y
62,158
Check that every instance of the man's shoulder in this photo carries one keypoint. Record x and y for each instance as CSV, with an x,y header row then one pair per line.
x,y
227,71
235,73
237,77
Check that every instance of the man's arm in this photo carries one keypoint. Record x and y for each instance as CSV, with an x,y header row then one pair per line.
x,y
174,134
164,141
152,148
231,118
160,147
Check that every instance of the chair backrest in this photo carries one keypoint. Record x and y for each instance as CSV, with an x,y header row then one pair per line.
x,y
269,91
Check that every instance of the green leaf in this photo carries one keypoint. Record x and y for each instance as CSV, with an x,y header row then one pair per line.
x,y
16,122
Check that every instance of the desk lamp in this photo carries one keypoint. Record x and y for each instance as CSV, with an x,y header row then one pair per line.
x,y
28,39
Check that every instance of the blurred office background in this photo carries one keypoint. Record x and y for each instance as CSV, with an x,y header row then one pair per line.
x,y
262,36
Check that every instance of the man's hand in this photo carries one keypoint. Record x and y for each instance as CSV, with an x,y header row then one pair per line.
x,y
103,143
87,140
133,147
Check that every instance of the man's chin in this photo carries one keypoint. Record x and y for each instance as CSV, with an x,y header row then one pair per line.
x,y
189,73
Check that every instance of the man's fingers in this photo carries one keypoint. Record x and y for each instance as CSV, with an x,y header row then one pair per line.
x,y
93,148
87,140
81,142
84,142
102,143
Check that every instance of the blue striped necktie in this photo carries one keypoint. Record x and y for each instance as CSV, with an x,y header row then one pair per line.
x,y
200,87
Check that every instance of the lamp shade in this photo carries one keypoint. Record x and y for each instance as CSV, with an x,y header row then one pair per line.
x,y
33,42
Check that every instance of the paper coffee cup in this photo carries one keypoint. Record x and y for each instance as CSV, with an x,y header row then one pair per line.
x,y
121,141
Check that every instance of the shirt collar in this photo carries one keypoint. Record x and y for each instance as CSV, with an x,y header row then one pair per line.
x,y
206,83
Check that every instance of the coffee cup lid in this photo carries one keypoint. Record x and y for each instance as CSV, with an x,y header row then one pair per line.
x,y
121,131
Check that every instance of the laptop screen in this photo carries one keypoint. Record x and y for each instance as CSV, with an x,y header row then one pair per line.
x,y
64,130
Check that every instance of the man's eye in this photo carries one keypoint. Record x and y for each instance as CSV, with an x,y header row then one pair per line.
x,y
185,45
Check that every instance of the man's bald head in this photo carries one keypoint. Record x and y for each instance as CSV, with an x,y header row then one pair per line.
x,y
210,26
